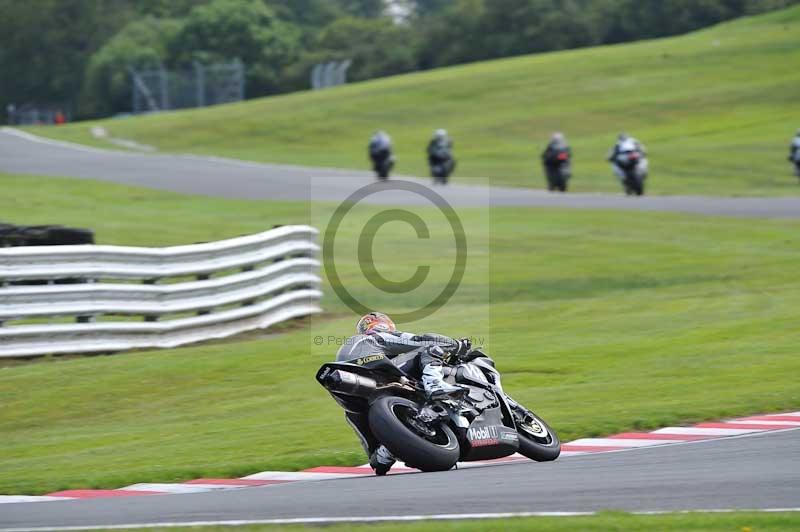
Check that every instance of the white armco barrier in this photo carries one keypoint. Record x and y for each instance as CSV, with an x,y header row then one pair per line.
x,y
113,298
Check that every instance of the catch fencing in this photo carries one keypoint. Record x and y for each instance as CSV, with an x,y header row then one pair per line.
x,y
330,74
160,89
96,298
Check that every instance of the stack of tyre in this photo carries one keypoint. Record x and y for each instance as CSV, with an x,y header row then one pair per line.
x,y
43,235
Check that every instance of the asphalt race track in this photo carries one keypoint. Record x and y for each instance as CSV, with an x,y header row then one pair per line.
x,y
25,154
750,472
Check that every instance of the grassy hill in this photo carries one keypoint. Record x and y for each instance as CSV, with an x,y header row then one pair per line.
x,y
601,321
716,108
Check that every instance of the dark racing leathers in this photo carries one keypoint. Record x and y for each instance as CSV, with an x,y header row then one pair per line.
x,y
556,158
392,345
440,154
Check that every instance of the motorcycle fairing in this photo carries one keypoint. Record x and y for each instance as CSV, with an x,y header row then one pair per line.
x,y
488,438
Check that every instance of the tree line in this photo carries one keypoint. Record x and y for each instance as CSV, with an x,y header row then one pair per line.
x,y
76,53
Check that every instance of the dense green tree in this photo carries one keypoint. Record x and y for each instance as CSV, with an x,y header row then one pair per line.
x,y
372,45
107,84
425,8
453,37
47,43
363,8
54,50
310,14
238,29
166,8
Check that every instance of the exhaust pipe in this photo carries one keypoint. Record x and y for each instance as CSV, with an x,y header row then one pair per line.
x,y
350,383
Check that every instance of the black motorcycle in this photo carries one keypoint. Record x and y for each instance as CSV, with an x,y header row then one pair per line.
x,y
433,434
442,165
632,164
382,163
558,172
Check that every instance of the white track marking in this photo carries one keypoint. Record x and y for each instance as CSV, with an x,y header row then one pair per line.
x,y
212,487
608,442
60,143
756,422
31,498
388,518
172,488
695,431
299,475
571,453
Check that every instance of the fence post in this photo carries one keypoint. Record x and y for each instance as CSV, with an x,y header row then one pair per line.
x,y
140,86
164,86
240,77
341,71
316,82
200,83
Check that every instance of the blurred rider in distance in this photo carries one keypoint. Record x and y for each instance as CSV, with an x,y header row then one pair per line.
x,y
625,144
440,156
556,159
380,152
794,153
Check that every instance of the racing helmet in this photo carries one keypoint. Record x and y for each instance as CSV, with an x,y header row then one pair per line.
x,y
440,133
623,136
375,322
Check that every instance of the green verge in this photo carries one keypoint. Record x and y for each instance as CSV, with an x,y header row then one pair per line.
x,y
603,522
716,108
601,321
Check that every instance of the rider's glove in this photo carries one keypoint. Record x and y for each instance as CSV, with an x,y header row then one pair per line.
x,y
436,352
463,346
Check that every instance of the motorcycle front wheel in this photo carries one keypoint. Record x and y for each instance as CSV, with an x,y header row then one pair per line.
x,y
393,422
537,440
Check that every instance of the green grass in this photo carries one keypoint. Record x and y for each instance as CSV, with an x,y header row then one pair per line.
x,y
601,321
716,108
603,522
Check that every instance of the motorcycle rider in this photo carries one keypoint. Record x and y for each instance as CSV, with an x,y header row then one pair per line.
x,y
555,157
380,151
440,150
625,145
794,153
376,334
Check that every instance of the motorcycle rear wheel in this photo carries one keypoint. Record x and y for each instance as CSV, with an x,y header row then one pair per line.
x,y
391,421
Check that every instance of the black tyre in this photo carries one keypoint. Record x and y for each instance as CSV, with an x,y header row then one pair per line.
x,y
61,236
391,421
537,440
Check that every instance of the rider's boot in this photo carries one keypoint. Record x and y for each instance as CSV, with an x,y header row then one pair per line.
x,y
381,460
434,384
